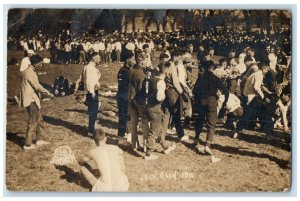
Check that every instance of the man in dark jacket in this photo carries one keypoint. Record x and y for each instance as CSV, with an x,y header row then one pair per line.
x,y
205,92
122,95
137,101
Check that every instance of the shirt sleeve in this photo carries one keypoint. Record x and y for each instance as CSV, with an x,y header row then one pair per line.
x,y
258,79
161,88
24,64
34,82
92,79
175,80
181,74
88,82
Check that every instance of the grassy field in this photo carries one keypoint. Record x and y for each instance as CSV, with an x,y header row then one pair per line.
x,y
249,164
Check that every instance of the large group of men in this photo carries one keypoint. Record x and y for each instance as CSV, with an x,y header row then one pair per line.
x,y
249,83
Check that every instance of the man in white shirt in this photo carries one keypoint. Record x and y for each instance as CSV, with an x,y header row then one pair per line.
x,y
110,163
273,58
118,50
90,76
30,87
130,46
253,92
102,51
233,109
25,63
146,51
96,46
183,97
108,51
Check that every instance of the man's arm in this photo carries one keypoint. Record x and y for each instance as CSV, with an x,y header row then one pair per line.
x,y
34,82
258,79
84,160
222,88
175,80
77,83
161,88
182,80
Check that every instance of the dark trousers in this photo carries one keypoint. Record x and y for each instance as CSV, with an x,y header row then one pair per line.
x,y
234,117
118,55
102,55
249,115
108,56
35,124
93,105
177,119
207,109
82,57
153,115
164,126
136,111
266,120
123,116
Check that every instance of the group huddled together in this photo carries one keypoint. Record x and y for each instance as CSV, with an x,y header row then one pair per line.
x,y
246,86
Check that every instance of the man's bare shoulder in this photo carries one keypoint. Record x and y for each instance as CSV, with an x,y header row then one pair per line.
x,y
113,148
104,149
97,151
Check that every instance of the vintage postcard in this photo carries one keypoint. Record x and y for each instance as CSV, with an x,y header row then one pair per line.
x,y
148,100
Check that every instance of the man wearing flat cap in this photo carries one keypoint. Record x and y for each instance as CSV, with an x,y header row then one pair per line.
x,y
137,102
205,91
122,95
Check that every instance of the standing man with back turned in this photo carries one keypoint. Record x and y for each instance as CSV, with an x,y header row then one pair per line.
x,y
205,90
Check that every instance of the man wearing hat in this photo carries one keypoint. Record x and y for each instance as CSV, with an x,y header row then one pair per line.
x,y
205,91
30,100
122,95
90,76
137,101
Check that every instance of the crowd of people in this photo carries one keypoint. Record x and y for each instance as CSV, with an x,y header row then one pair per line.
x,y
249,87
66,47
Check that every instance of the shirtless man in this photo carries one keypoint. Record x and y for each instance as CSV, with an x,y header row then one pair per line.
x,y
109,161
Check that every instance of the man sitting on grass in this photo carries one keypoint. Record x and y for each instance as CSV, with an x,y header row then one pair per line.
x,y
109,161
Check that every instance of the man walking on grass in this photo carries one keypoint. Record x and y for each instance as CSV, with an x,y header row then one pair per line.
x,y
30,100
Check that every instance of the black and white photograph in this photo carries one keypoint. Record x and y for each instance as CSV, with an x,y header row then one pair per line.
x,y
148,100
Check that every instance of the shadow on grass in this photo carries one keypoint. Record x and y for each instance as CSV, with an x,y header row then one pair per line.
x,y
73,177
233,150
15,138
238,151
81,130
257,139
82,111
105,122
